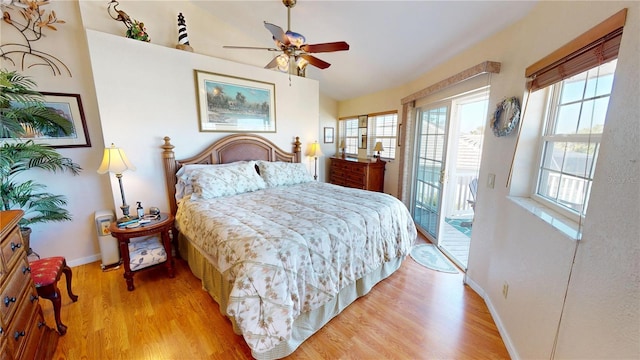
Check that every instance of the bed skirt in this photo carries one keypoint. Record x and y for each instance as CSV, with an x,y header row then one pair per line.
x,y
307,323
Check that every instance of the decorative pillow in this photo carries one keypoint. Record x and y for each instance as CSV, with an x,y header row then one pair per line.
x,y
183,183
216,181
281,173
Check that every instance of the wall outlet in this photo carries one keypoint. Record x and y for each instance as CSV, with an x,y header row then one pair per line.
x,y
505,289
491,181
104,227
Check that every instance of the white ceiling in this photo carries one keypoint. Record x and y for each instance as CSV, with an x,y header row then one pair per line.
x,y
391,42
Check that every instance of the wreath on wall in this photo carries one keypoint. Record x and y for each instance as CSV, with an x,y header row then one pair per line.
x,y
506,116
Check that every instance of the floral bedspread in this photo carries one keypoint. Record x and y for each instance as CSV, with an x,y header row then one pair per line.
x,y
288,250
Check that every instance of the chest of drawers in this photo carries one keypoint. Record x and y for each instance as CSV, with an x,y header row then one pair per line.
x,y
23,332
357,173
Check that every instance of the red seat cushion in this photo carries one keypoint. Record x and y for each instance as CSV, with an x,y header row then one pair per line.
x,y
45,271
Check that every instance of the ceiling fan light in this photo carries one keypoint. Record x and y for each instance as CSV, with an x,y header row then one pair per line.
x,y
295,39
283,62
301,63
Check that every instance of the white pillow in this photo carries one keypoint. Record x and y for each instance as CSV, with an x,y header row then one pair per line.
x,y
183,183
216,181
279,173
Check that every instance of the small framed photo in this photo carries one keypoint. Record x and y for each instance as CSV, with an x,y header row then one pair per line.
x,y
362,138
363,121
69,106
328,135
233,104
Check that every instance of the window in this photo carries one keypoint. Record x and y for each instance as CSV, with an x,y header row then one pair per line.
x,y
349,133
383,128
576,113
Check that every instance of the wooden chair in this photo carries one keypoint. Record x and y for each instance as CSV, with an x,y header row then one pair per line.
x,y
46,274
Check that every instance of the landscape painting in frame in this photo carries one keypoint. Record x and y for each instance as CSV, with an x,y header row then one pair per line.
x,y
232,104
69,106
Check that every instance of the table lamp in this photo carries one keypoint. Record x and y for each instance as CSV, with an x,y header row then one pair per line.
x,y
115,161
342,147
315,152
378,148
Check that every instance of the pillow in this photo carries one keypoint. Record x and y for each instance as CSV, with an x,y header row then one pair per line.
x,y
281,173
183,183
216,181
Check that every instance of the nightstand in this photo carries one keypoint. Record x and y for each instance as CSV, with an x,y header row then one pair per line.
x,y
144,254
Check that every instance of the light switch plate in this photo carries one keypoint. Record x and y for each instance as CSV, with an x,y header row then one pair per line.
x,y
491,181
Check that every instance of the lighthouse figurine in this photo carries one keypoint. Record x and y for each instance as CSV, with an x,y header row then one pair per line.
x,y
183,38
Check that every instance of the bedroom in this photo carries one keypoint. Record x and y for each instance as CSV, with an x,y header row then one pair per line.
x,y
515,247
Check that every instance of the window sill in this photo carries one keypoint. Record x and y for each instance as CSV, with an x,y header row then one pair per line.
x,y
564,225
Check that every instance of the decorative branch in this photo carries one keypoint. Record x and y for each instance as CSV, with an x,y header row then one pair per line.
x,y
34,21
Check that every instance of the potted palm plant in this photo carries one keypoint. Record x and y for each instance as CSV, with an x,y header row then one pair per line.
x,y
22,108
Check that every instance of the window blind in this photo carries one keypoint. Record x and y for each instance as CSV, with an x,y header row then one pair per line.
x,y
593,48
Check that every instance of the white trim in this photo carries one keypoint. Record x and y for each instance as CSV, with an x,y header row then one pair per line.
x,y
513,353
563,224
85,260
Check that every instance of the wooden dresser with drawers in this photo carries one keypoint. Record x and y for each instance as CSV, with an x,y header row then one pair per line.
x,y
23,332
367,174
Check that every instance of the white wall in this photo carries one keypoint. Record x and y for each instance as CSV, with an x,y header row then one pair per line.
x,y
122,113
601,316
85,193
142,100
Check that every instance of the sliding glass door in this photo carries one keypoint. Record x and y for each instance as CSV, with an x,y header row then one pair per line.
x,y
431,143
447,163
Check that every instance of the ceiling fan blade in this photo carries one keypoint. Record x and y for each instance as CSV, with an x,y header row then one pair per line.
x,y
272,64
315,61
251,48
325,47
277,33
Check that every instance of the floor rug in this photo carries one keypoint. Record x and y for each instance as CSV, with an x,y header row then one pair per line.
x,y
429,256
462,225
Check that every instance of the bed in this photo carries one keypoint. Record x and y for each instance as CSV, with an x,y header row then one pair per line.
x,y
280,253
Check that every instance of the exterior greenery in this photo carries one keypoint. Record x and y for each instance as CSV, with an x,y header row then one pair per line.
x,y
23,108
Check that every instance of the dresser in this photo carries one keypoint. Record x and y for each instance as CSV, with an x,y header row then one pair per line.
x,y
23,332
364,174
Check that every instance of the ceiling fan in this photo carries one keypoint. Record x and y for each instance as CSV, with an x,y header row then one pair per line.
x,y
296,55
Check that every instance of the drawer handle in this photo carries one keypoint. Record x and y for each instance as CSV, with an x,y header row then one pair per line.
x,y
26,269
15,246
9,300
34,298
18,334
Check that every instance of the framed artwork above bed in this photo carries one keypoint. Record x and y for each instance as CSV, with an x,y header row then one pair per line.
x,y
234,104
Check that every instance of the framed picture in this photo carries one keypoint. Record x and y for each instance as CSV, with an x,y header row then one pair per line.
x,y
328,135
362,138
233,104
362,121
68,106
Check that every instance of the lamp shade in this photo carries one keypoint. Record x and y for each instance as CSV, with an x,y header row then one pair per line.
x,y
114,160
342,145
315,150
378,147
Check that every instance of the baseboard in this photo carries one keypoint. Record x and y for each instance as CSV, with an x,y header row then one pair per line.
x,y
496,318
84,260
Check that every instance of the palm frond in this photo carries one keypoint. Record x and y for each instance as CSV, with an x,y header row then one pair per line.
x,y
23,110
19,157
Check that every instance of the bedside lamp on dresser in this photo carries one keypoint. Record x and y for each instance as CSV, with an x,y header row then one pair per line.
x,y
378,148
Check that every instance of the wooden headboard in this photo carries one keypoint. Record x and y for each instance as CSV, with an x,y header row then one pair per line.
x,y
237,147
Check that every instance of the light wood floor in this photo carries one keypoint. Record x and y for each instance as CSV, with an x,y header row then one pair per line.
x,y
416,313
